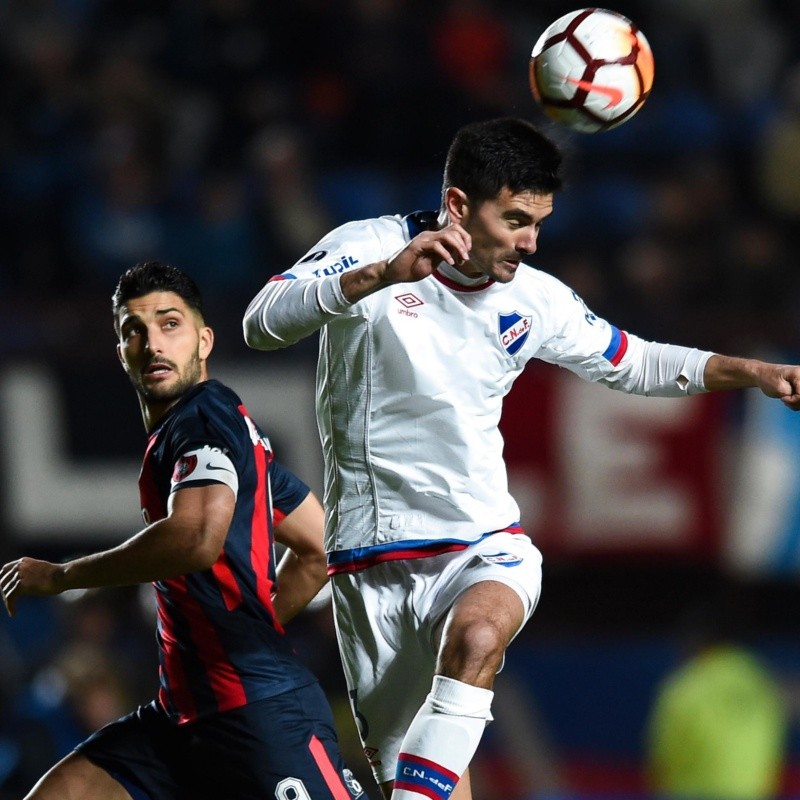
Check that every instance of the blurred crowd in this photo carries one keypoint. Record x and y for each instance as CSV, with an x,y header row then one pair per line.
x,y
226,136
69,666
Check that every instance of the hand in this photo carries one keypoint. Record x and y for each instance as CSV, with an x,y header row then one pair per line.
x,y
28,576
782,382
420,257
417,260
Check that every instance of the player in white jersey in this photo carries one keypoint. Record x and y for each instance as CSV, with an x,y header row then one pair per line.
x,y
425,323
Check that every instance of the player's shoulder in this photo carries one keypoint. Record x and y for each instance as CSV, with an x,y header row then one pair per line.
x,y
352,242
385,225
532,279
366,228
208,410
214,397
542,292
355,237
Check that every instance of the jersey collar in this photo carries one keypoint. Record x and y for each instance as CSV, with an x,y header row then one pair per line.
x,y
448,275
419,221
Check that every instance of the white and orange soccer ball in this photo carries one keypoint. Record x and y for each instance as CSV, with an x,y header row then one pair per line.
x,y
591,70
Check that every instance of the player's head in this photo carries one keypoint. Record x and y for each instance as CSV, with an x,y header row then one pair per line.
x,y
499,182
486,157
155,276
163,341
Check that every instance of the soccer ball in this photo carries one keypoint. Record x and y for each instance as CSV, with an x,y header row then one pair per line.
x,y
591,70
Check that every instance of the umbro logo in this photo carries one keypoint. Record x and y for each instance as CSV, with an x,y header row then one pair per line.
x,y
408,300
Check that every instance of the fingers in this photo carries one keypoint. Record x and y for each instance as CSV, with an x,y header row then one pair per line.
x,y
791,402
446,254
9,585
789,391
452,243
420,257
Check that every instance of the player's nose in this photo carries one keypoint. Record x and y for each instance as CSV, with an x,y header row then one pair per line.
x,y
152,342
526,243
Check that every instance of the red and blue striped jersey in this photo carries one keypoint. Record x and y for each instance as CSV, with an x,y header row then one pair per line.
x,y
220,643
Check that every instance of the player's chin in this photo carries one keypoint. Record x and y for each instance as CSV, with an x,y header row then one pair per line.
x,y
164,391
505,271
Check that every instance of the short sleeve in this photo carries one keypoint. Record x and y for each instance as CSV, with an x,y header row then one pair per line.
x,y
288,491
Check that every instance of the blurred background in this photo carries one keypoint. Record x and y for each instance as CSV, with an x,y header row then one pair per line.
x,y
226,136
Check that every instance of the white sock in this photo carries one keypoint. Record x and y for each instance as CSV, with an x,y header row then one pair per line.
x,y
441,740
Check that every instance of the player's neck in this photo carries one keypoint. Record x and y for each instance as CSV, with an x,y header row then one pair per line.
x,y
154,411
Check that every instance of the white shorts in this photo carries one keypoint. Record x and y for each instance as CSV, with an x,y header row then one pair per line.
x,y
386,622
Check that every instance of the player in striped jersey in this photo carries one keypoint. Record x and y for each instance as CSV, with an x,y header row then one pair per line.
x,y
425,322
237,715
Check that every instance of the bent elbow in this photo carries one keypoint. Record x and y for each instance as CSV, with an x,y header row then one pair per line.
x,y
254,335
203,558
202,553
257,336
318,567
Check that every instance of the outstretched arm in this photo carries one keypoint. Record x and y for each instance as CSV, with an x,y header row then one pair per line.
x,y
190,538
781,381
302,571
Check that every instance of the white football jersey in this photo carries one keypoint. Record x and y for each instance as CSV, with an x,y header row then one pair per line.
x,y
411,380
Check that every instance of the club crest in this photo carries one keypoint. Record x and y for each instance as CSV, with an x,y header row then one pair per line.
x,y
513,329
184,467
503,559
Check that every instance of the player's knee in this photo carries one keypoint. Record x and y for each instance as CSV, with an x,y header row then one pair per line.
x,y
483,639
474,652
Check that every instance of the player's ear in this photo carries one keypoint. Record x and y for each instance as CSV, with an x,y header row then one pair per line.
x,y
455,203
121,359
206,342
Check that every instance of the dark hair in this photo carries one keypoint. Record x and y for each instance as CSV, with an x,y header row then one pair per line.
x,y
487,156
155,276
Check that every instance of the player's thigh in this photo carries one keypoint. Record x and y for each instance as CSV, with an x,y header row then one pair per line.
x,y
77,778
489,592
144,752
283,747
476,632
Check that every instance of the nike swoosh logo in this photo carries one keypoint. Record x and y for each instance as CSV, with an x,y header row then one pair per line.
x,y
614,95
211,466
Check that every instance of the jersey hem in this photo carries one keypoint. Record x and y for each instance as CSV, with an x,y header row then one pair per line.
x,y
358,558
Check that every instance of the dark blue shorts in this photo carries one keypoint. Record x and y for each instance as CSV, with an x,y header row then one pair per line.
x,y
284,747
